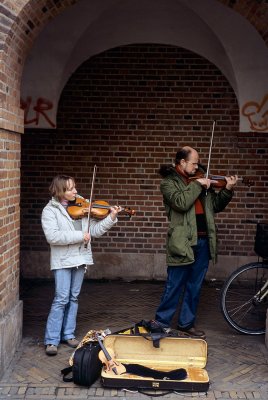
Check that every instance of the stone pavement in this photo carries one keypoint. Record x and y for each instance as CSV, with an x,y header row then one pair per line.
x,y
237,364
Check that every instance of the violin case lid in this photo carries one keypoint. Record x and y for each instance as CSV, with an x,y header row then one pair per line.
x,y
173,353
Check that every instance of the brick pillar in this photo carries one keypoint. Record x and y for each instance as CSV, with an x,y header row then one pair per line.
x,y
10,305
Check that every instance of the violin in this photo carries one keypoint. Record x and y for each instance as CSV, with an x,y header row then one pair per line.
x,y
107,358
100,209
218,181
111,364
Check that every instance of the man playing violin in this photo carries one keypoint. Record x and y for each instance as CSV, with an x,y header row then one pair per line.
x,y
190,205
70,254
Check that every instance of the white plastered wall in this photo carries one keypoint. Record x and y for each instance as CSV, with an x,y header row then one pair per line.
x,y
205,27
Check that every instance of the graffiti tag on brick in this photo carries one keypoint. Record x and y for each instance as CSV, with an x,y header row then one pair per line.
x,y
257,114
39,109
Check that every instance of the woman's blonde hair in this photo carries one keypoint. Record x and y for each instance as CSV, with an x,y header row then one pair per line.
x,y
59,185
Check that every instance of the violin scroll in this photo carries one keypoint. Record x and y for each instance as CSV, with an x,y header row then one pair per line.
x,y
247,181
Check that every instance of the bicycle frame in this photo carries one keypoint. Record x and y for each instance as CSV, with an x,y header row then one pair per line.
x,y
262,293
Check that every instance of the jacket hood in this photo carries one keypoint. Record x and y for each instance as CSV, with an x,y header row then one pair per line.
x,y
166,170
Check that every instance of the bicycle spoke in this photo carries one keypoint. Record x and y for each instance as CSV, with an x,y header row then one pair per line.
x,y
238,308
242,317
244,298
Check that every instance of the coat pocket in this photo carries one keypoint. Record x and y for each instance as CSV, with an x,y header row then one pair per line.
x,y
178,244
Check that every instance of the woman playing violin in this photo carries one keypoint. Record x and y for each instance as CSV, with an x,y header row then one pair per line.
x,y
190,205
70,254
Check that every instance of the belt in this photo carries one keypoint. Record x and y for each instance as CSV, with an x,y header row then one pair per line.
x,y
202,235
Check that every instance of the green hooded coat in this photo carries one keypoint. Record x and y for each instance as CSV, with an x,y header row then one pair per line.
x,y
179,198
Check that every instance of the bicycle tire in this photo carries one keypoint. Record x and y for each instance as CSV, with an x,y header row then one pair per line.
x,y
240,308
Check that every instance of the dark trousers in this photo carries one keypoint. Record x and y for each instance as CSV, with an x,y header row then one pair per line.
x,y
185,281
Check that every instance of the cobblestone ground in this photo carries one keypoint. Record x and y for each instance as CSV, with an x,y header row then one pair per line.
x,y
237,364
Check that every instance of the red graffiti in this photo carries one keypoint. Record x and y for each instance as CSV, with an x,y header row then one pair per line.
x,y
41,107
257,114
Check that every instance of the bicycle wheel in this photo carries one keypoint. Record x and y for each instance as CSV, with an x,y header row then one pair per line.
x,y
240,300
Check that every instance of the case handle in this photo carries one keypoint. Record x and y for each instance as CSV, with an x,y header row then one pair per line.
x,y
148,392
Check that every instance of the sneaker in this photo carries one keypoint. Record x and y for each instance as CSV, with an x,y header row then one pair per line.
x,y
51,349
71,342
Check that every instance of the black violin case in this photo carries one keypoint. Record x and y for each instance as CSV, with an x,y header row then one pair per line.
x,y
185,355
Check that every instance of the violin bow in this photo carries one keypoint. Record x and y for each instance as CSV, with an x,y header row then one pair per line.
x,y
90,200
210,148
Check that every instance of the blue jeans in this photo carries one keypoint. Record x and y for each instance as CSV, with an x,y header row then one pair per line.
x,y
185,281
61,322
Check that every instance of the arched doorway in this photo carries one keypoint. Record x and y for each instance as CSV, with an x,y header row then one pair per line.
x,y
24,23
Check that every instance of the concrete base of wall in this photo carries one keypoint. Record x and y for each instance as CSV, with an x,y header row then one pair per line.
x,y
126,266
10,336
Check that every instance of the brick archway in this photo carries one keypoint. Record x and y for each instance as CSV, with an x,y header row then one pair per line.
x,y
22,22
256,12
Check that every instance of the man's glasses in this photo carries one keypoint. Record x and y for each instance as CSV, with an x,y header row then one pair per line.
x,y
193,163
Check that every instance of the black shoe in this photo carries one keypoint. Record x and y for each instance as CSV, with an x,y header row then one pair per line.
x,y
193,332
156,327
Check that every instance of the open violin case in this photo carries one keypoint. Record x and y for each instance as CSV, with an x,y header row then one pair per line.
x,y
177,364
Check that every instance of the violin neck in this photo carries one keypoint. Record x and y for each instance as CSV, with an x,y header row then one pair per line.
x,y
103,206
215,177
107,355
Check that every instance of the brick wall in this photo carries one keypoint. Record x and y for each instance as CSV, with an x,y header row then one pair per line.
x,y
9,220
128,110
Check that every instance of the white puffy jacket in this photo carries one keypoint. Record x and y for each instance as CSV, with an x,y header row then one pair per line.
x,y
66,243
